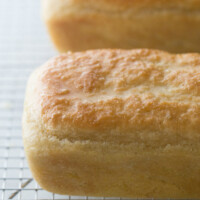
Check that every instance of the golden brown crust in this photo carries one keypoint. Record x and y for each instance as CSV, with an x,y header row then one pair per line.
x,y
119,96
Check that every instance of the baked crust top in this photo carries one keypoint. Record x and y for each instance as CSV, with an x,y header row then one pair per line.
x,y
108,93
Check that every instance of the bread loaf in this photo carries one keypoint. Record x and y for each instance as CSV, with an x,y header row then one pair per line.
x,y
77,25
115,123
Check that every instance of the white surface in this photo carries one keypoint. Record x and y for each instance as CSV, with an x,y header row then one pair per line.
x,y
24,45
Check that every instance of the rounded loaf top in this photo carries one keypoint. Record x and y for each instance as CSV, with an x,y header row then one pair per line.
x,y
118,91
